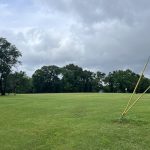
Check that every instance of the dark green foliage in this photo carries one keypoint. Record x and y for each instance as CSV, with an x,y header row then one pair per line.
x,y
124,81
143,85
70,78
8,58
76,80
98,81
73,78
47,80
19,82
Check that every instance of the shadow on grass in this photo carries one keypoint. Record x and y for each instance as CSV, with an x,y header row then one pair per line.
x,y
130,121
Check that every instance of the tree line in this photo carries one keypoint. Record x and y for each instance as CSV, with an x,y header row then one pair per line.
x,y
54,79
72,78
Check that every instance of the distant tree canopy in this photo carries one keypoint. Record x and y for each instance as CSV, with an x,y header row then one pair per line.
x,y
46,80
121,81
19,82
124,81
9,55
54,79
72,78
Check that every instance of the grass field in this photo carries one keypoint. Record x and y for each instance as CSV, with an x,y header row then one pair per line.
x,y
73,122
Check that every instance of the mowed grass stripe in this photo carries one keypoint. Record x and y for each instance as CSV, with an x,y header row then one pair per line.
x,y
73,122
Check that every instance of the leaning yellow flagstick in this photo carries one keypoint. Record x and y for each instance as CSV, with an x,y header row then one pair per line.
x,y
137,100
123,113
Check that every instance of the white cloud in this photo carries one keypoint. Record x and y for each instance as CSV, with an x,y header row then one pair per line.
x,y
96,34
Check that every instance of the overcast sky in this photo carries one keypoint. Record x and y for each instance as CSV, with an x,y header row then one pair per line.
x,y
100,35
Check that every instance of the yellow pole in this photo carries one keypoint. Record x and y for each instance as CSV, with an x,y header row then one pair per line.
x,y
123,113
137,100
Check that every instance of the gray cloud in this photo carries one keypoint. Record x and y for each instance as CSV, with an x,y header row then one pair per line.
x,y
97,34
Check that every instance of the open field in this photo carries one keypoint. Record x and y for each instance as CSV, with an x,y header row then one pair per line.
x,y
73,122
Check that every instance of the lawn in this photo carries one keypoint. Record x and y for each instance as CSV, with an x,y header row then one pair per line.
x,y
73,122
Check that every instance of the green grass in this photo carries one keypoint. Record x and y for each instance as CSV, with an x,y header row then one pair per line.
x,y
73,122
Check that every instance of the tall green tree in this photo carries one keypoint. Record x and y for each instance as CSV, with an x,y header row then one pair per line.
x,y
125,81
145,82
72,78
19,82
88,81
75,79
47,79
98,81
9,55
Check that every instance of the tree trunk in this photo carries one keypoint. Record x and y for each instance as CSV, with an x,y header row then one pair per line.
x,y
1,86
2,89
3,93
